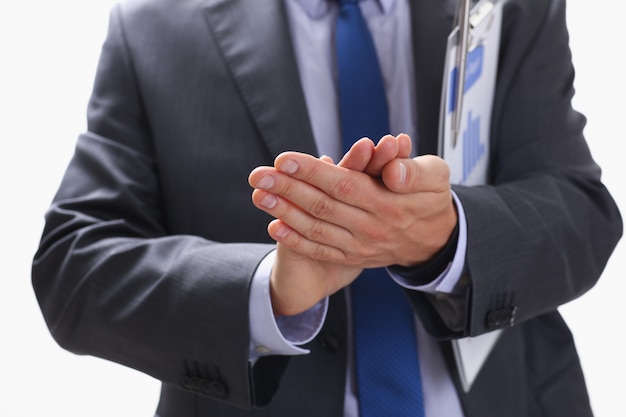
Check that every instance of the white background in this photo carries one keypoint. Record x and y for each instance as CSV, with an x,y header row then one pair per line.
x,y
48,56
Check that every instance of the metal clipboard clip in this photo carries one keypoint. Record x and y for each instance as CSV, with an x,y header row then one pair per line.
x,y
466,22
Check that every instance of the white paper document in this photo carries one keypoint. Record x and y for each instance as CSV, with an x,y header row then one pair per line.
x,y
467,154
465,146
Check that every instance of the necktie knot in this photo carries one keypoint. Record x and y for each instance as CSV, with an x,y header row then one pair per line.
x,y
347,2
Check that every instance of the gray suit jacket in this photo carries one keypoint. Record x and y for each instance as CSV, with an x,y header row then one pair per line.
x,y
152,240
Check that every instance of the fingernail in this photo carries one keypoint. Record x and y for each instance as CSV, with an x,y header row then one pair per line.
x,y
402,169
288,167
266,183
269,201
282,232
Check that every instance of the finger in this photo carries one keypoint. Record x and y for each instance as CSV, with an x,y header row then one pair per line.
x,y
385,151
308,197
388,149
307,209
426,173
309,227
285,235
262,177
405,145
350,187
358,156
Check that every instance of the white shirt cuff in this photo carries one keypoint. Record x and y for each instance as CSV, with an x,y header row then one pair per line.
x,y
270,335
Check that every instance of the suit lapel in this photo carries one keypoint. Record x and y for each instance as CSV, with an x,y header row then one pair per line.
x,y
432,22
256,44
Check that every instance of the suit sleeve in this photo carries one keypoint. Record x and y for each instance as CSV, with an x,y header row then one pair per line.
x,y
111,278
541,233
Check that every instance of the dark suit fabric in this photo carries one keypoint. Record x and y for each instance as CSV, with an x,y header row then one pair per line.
x,y
152,240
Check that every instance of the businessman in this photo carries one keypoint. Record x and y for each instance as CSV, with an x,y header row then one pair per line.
x,y
155,256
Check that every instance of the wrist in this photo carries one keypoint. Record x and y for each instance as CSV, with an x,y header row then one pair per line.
x,y
424,272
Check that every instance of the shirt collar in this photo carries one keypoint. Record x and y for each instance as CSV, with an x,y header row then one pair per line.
x,y
319,8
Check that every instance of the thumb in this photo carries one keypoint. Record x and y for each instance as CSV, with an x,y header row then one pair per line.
x,y
427,173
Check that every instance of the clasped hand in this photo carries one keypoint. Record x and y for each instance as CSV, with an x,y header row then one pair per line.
x,y
376,207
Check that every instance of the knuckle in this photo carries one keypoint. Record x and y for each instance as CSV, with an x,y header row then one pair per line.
x,y
322,208
286,189
317,231
417,177
392,213
319,252
438,171
283,211
310,174
363,249
343,188
375,235
365,253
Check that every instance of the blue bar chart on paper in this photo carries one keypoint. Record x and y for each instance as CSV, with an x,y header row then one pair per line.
x,y
464,130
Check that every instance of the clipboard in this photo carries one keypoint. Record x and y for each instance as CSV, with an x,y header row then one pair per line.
x,y
464,130
466,146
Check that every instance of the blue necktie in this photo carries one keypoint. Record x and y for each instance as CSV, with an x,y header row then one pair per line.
x,y
387,368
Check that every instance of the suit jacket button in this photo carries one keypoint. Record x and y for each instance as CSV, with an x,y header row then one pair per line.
x,y
205,387
189,383
213,388
330,342
217,389
500,318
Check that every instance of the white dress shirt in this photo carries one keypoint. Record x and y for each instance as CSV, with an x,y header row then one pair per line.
x,y
312,28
